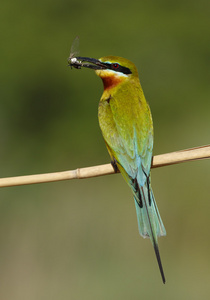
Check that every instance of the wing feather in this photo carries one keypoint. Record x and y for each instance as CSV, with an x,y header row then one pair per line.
x,y
128,135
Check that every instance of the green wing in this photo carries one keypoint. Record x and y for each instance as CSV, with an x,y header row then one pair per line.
x,y
128,131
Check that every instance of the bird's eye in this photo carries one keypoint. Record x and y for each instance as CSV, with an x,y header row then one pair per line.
x,y
115,66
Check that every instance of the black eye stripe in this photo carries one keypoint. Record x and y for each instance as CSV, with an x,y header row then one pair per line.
x,y
124,70
118,68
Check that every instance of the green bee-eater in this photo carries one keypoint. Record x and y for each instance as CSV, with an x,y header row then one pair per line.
x,y
126,124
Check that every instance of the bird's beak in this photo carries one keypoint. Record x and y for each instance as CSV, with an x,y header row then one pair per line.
x,y
86,62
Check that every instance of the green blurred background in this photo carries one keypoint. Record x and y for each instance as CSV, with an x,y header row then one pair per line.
x,y
79,239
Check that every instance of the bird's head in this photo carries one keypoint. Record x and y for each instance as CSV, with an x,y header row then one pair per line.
x,y
112,69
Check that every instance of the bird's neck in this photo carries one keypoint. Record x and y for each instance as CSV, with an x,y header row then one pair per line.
x,y
111,82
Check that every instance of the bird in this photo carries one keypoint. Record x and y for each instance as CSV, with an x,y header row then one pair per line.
x,y
126,123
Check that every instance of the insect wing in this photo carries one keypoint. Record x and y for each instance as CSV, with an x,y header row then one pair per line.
x,y
74,48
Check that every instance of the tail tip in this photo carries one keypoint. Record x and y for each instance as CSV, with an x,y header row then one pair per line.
x,y
163,278
159,262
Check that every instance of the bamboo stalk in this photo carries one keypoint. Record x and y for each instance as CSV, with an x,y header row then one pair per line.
x,y
161,160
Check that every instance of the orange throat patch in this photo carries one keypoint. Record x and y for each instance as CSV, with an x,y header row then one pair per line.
x,y
111,81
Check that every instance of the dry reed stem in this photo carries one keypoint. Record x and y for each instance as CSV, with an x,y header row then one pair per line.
x,y
158,161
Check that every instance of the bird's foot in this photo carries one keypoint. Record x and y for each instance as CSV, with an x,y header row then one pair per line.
x,y
114,165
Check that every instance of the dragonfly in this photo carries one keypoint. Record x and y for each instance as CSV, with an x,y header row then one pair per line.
x,y
78,61
72,60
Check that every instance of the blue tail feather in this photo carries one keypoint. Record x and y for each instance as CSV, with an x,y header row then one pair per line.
x,y
148,216
149,220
